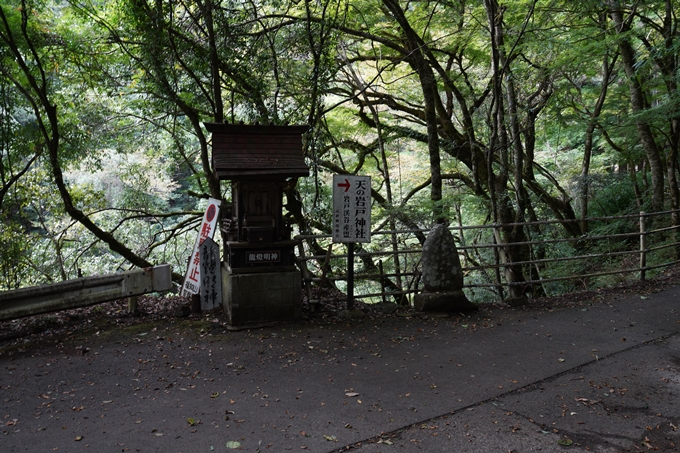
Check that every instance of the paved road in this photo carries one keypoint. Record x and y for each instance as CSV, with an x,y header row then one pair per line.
x,y
603,375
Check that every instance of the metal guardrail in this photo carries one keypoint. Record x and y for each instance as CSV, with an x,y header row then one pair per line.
x,y
83,292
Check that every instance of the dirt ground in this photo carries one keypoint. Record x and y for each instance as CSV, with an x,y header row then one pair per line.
x,y
165,310
100,379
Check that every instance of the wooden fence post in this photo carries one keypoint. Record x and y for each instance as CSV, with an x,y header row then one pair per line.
x,y
499,255
306,277
382,280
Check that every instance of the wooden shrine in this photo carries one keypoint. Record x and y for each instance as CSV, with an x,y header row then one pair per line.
x,y
260,280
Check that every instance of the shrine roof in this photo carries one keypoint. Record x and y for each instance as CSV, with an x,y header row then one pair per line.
x,y
243,151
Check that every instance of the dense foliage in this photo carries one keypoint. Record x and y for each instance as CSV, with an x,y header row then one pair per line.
x,y
462,112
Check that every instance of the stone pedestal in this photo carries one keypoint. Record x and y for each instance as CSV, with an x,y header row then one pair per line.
x,y
260,297
448,301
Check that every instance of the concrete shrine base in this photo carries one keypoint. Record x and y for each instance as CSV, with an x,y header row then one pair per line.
x,y
255,298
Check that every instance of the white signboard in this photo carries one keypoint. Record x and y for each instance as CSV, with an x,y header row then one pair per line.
x,y
351,208
192,278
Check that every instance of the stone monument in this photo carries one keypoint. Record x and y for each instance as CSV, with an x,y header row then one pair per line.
x,y
442,275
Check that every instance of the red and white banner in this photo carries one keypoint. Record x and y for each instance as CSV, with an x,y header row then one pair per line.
x,y
192,279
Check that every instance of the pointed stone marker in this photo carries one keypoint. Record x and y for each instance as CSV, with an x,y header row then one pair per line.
x,y
442,275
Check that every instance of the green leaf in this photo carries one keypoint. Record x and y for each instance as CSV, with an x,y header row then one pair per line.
x,y
233,444
566,442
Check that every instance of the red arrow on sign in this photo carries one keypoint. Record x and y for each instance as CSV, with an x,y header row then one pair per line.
x,y
345,184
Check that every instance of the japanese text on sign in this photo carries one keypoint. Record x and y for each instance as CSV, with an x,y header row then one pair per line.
x,y
211,283
351,208
273,256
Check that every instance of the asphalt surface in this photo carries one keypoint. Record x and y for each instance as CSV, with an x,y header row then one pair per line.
x,y
602,375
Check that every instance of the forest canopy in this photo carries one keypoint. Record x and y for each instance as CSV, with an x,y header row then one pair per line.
x,y
468,112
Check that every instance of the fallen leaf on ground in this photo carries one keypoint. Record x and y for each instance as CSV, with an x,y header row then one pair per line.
x,y
233,444
351,394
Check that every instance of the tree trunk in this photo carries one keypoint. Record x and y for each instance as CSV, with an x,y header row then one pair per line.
x,y
428,85
36,93
503,211
584,188
638,105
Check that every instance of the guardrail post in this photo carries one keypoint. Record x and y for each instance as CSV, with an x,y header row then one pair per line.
x,y
132,304
643,246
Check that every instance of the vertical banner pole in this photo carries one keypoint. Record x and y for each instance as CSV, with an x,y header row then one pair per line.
x,y
643,246
350,275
